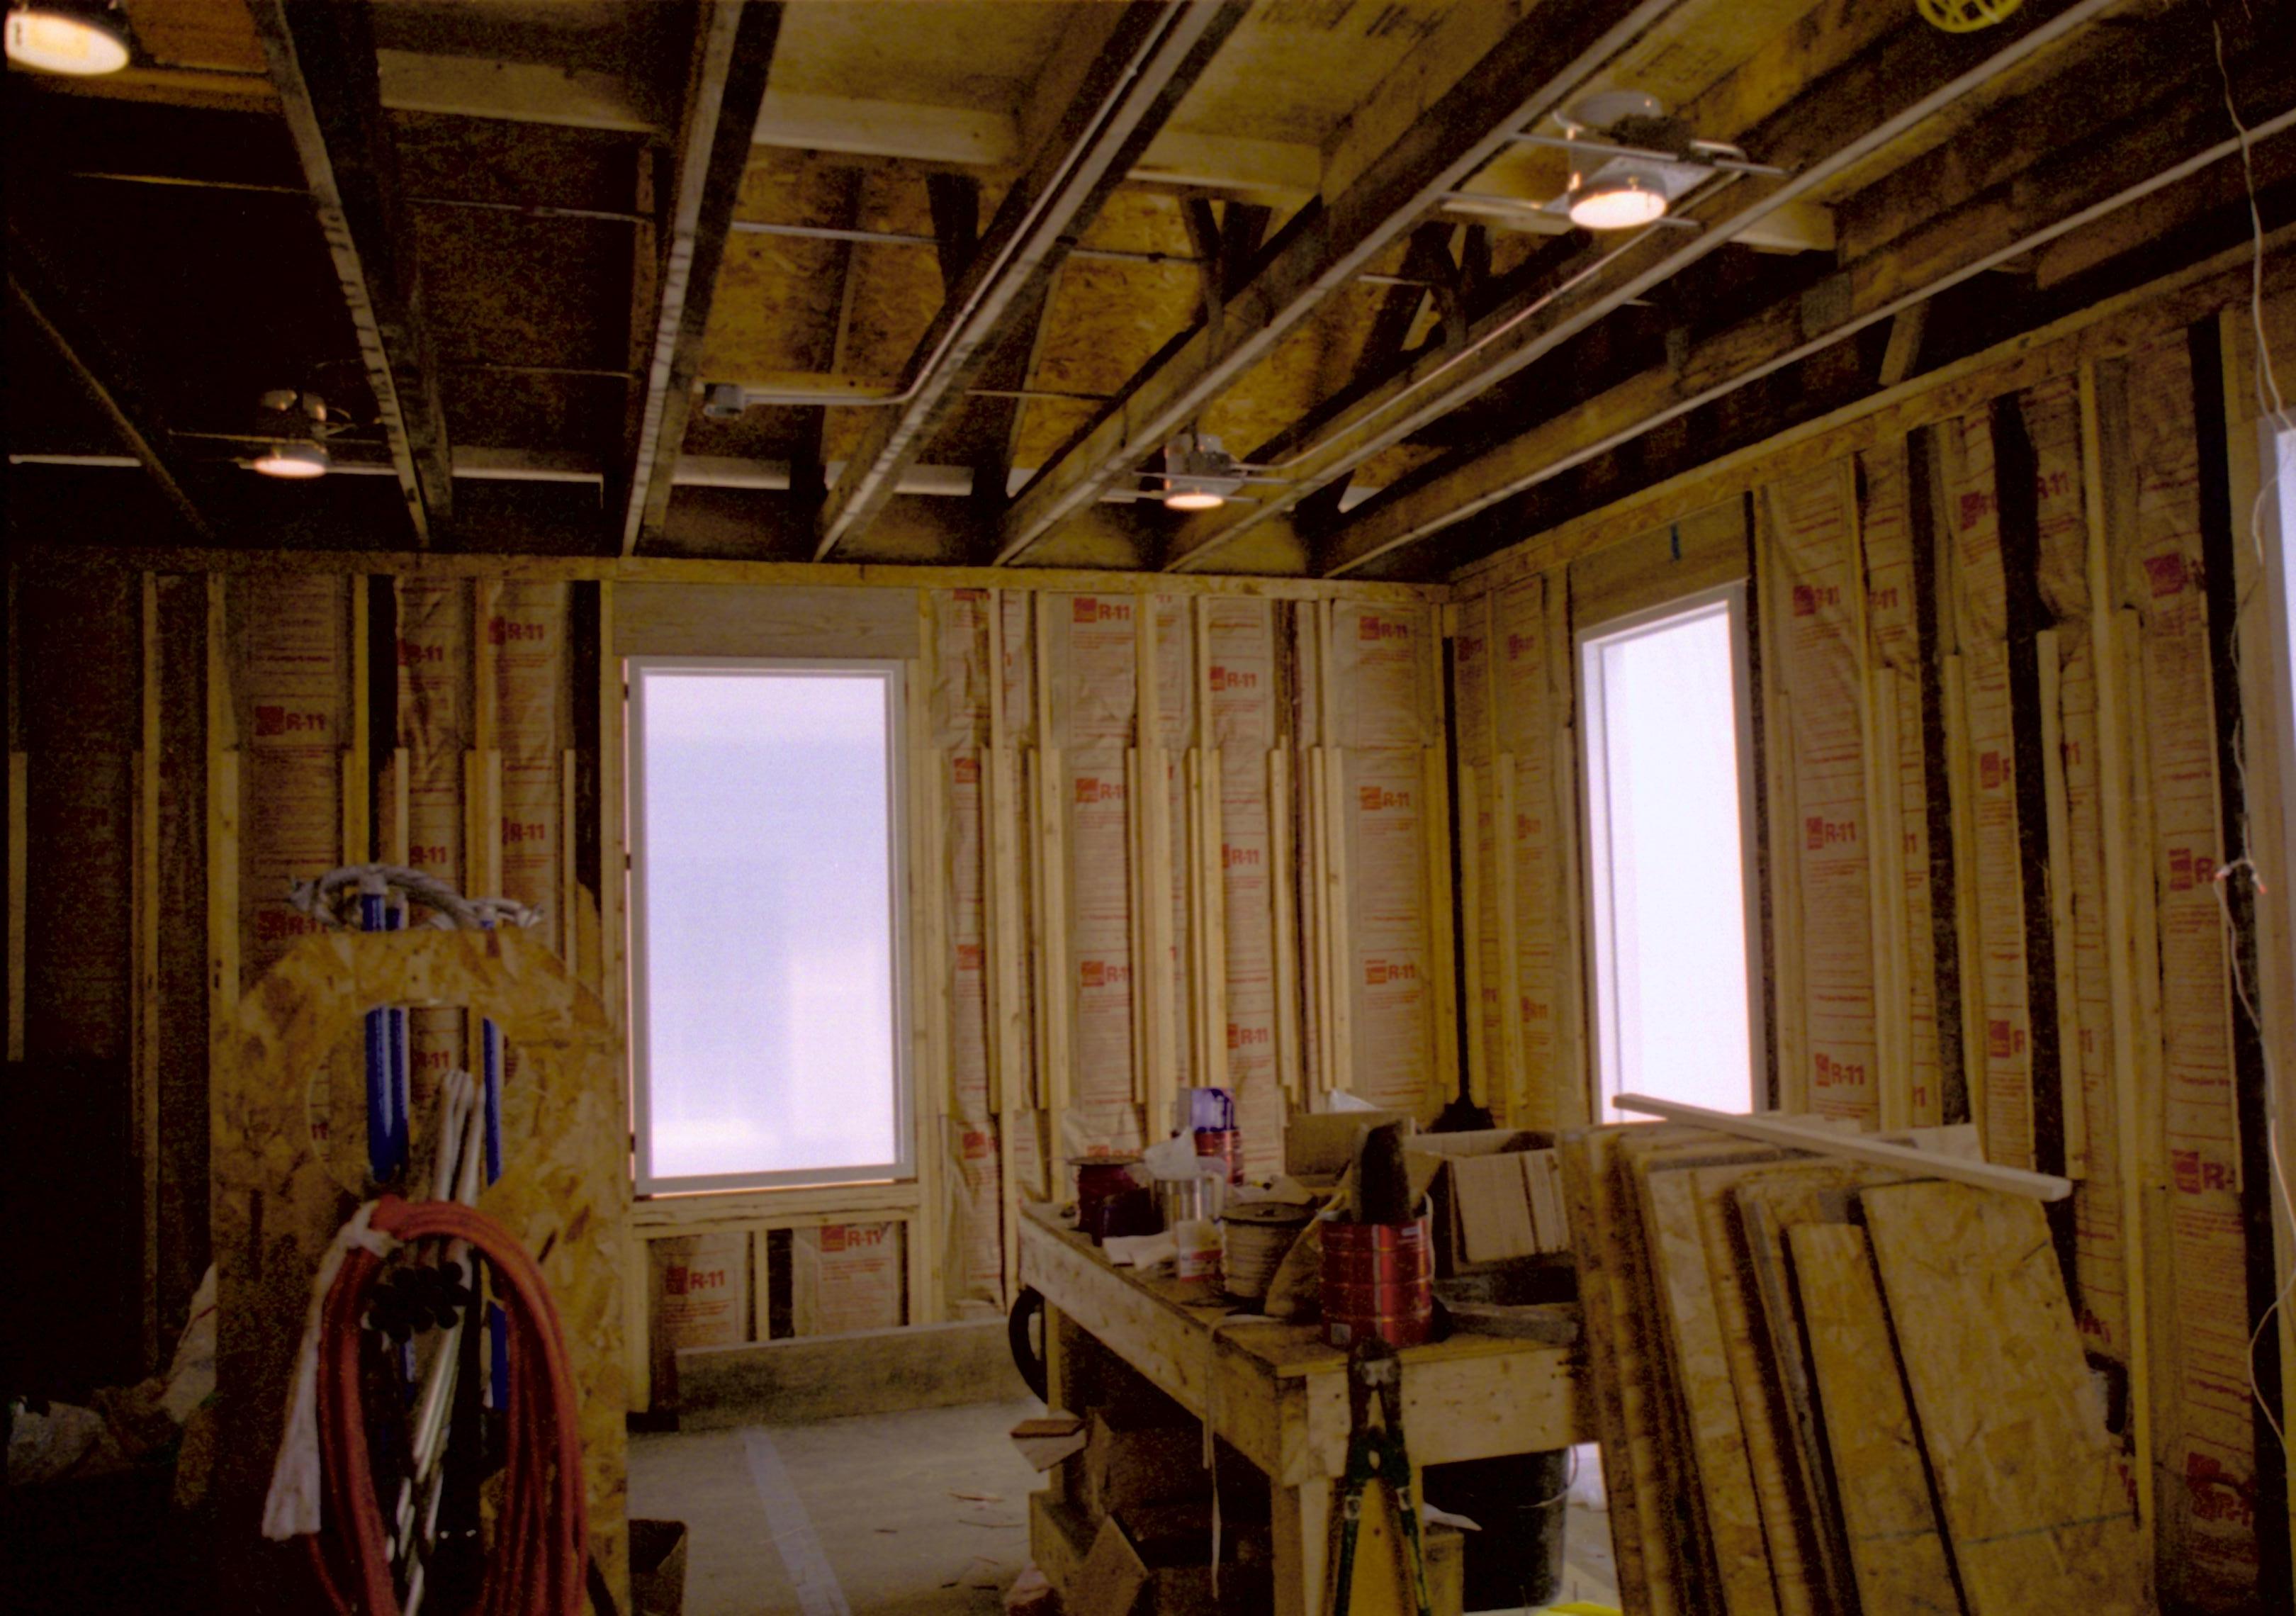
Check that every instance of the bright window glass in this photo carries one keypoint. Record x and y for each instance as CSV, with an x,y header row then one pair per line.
x,y
1667,816
766,1031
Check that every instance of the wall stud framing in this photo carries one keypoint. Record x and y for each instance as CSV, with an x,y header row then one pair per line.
x,y
1573,1074
144,963
1281,903
222,816
932,1080
2108,651
19,773
1003,808
2059,828
1790,1000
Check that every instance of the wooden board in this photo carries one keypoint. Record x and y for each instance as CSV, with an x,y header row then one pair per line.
x,y
1895,1544
1761,1416
1584,1157
1692,1316
2035,1502
1770,1203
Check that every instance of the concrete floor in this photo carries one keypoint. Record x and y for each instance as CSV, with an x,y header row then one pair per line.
x,y
923,1513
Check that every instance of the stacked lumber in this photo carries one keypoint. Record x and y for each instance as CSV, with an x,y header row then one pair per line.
x,y
1826,1385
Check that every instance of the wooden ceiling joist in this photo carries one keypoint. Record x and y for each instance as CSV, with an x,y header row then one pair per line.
x,y
1824,133
1431,151
734,50
1115,84
2074,188
107,382
321,60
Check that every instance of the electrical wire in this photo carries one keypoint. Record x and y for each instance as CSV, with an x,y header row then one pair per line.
x,y
2273,406
542,1536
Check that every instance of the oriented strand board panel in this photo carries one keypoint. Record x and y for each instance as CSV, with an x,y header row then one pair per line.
x,y
1584,1161
1895,1542
564,1193
2037,1508
1770,1203
1691,1314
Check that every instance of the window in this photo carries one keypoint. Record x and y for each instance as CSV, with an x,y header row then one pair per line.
x,y
766,1031
1669,820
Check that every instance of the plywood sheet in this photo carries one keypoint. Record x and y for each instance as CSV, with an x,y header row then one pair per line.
x,y
1693,1314
2036,1504
1896,1544
1770,1204
565,1193
1646,1581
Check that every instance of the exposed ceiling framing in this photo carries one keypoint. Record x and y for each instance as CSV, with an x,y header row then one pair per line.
x,y
322,66
733,52
947,277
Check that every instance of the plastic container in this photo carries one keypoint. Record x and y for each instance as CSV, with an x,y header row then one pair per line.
x,y
1221,1144
1378,1280
1196,1253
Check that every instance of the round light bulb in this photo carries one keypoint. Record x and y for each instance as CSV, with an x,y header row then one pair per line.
x,y
62,42
1619,203
293,460
1193,499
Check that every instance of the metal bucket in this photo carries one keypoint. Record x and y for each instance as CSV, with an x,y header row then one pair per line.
x,y
1378,1280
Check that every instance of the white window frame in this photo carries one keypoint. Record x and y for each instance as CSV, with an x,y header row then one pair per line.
x,y
1594,804
892,673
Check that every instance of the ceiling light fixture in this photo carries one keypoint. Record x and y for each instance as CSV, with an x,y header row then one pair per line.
x,y
294,425
293,460
1608,191
58,37
1199,474
1615,201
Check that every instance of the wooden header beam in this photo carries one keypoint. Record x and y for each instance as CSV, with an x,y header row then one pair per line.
x,y
734,49
1127,75
324,67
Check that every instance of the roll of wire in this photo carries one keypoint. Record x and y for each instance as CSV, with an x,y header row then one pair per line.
x,y
542,1533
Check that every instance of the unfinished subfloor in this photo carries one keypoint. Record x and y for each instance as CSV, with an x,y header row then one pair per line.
x,y
899,1514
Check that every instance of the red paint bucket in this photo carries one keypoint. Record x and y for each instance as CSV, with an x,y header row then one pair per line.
x,y
1378,1280
1102,1182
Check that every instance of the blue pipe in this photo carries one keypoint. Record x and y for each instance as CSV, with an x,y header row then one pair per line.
x,y
381,1131
402,1140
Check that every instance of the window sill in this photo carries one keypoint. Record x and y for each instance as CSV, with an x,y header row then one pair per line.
x,y
797,1206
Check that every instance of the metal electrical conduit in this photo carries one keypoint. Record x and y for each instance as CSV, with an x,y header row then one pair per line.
x,y
615,216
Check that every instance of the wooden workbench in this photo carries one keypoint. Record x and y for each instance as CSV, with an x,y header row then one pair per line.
x,y
1279,1395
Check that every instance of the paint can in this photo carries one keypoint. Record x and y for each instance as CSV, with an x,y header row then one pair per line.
x,y
1378,1280
1105,1184
1257,1236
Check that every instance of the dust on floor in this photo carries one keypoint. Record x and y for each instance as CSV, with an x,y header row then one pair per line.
x,y
921,1514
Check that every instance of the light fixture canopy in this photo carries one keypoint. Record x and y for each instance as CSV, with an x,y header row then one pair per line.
x,y
295,461
1199,474
56,37
1615,201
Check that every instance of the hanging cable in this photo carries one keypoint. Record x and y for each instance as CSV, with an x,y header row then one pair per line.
x,y
542,1532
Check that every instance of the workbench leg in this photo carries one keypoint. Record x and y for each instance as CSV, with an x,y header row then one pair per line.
x,y
1303,1540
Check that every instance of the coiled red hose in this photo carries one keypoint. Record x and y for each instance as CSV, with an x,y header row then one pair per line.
x,y
541,1540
